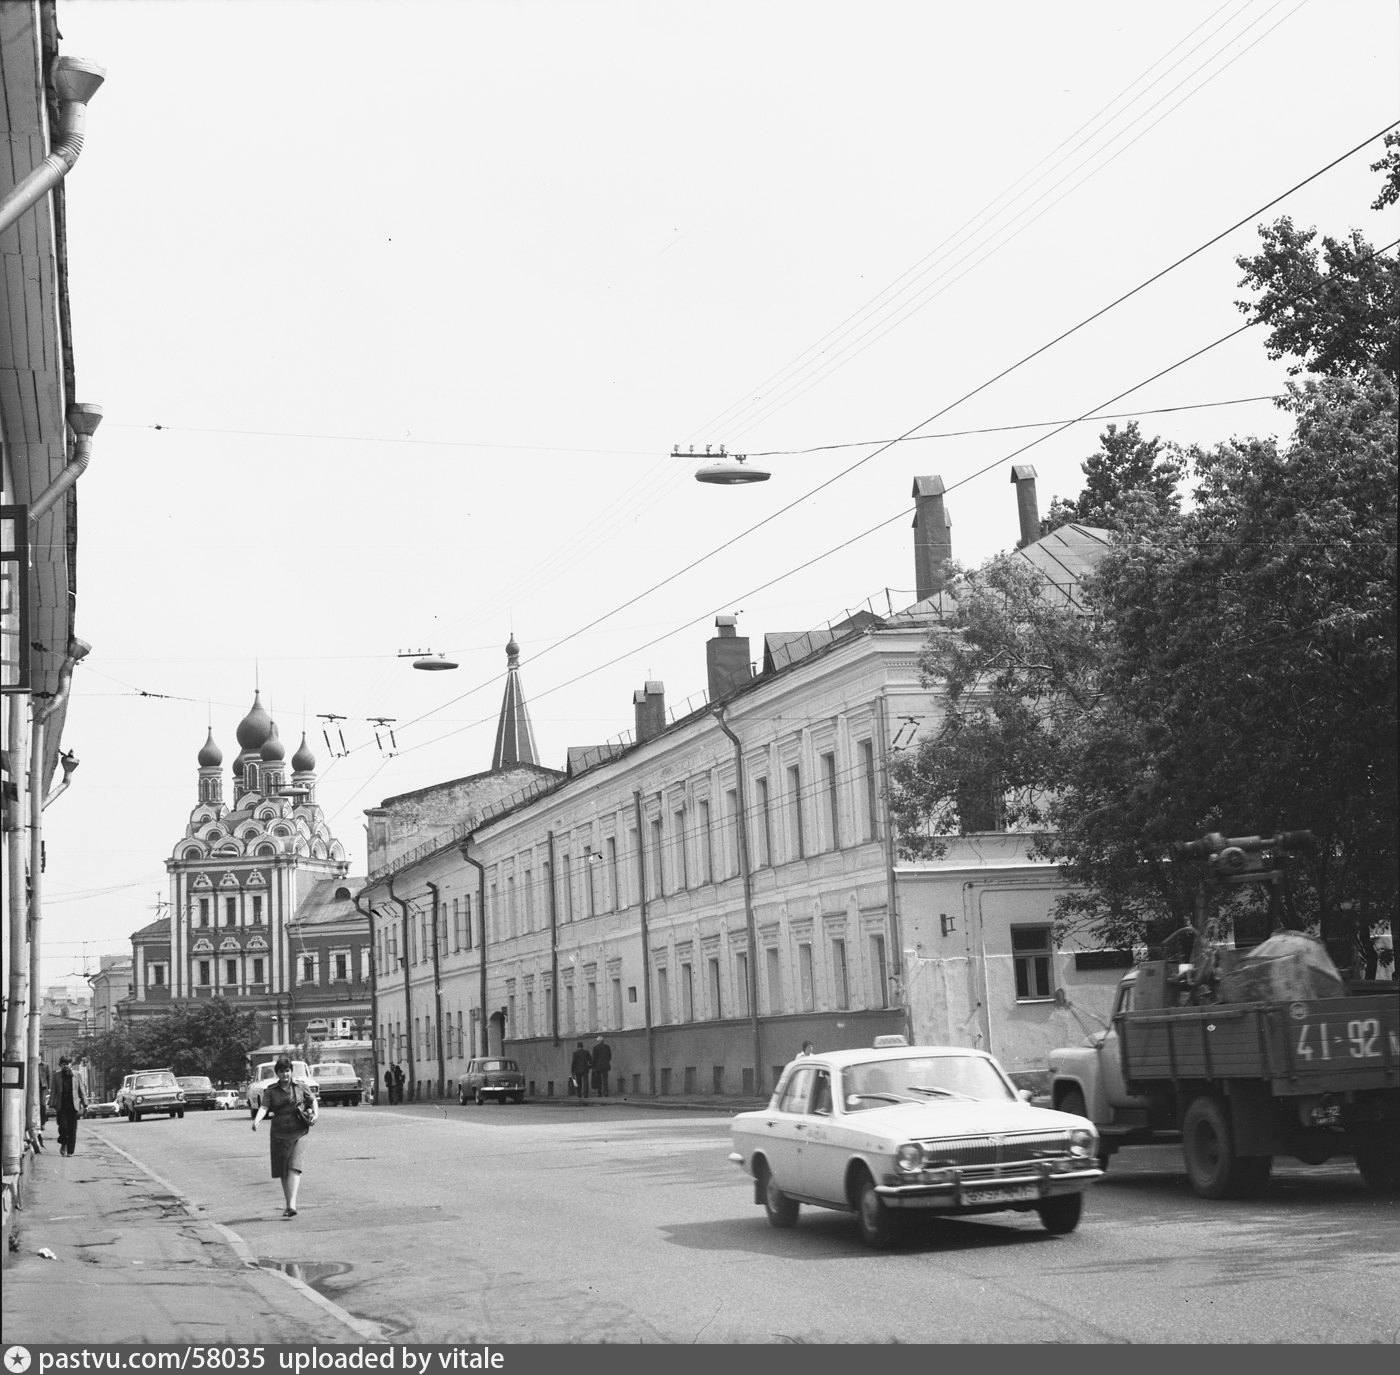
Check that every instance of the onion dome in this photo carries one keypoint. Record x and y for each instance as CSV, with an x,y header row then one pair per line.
x,y
211,756
273,750
303,761
512,653
254,728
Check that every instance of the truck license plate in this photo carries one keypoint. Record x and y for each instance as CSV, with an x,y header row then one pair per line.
x,y
1014,1194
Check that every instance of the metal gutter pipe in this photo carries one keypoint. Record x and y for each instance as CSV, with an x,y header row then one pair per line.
x,y
481,907
368,915
407,991
743,829
12,1100
646,954
75,83
553,944
437,986
83,420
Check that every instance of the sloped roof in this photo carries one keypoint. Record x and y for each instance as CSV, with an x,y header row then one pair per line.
x,y
160,927
321,906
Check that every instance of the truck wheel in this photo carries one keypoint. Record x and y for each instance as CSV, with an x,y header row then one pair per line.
x,y
1377,1152
1061,1215
781,1210
1208,1144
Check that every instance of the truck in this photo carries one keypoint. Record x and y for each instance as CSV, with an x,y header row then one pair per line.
x,y
1242,1056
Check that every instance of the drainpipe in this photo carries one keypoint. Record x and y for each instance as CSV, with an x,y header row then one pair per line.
x,y
896,936
746,875
368,914
646,953
77,649
75,83
83,420
12,1101
437,986
68,761
407,991
553,944
481,907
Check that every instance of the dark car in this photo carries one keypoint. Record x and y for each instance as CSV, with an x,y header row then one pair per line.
x,y
491,1077
199,1092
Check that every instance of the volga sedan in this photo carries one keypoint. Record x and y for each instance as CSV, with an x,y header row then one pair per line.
x,y
892,1130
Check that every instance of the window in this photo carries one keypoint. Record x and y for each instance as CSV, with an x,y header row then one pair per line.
x,y
798,1088
342,967
456,926
617,1002
797,839
831,803
205,973
840,981
592,1006
731,807
204,911
257,909
870,797
230,911
657,885
590,878
741,982
510,905
569,1008
1031,956
466,923
158,976
230,971
716,1006
687,993
707,841
804,974
529,1012
764,857
566,877
775,986
257,971
663,997
529,900
980,808
308,969
495,917
614,885
879,976
680,866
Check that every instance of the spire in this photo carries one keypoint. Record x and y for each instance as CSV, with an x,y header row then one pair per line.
x,y
515,738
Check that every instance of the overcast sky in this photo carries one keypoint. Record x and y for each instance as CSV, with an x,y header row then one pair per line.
x,y
396,311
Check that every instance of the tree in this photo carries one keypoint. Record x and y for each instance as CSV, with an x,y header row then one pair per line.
x,y
1125,465
1337,312
210,1037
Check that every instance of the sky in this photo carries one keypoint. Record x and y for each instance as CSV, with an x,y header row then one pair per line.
x,y
397,311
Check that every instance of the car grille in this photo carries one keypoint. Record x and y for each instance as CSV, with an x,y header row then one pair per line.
x,y
974,1151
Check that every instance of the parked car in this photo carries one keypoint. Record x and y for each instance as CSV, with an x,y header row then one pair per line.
x,y
266,1074
227,1099
199,1092
491,1078
897,1129
148,1091
338,1082
101,1110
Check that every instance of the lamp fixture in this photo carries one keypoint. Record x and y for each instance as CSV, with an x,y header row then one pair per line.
x,y
725,469
426,660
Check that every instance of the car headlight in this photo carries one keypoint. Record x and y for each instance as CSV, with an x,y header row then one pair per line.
x,y
910,1157
1083,1141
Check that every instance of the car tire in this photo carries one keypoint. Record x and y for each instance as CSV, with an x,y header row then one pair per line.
x,y
479,1100
1061,1215
879,1226
355,1101
462,1096
782,1211
1208,1145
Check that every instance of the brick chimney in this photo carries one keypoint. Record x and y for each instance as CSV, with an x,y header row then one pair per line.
x,y
933,537
727,661
1023,475
649,708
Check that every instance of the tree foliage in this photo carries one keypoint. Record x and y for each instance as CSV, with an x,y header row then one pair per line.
x,y
210,1037
1125,467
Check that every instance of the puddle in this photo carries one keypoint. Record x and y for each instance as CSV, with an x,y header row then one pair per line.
x,y
312,1272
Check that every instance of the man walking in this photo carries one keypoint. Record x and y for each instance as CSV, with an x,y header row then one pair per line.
x,y
602,1066
580,1067
389,1085
398,1083
68,1100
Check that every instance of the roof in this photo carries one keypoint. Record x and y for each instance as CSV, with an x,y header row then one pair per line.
x,y
839,1059
160,927
321,906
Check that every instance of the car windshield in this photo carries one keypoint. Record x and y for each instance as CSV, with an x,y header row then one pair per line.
x,y
335,1071
152,1081
193,1082
922,1079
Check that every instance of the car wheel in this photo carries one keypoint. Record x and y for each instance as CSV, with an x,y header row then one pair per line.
x,y
781,1210
355,1101
1208,1144
462,1096
879,1227
1061,1215
479,1100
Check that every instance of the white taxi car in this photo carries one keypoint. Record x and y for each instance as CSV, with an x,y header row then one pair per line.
x,y
896,1128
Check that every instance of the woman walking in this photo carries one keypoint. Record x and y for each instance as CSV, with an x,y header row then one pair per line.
x,y
292,1109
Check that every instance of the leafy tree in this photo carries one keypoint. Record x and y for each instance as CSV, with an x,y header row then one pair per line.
x,y
209,1037
1337,311
1125,465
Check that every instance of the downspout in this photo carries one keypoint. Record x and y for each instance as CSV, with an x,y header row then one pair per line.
x,y
437,986
553,945
896,935
481,907
68,761
77,649
368,915
12,1102
646,953
83,420
407,990
743,828
75,83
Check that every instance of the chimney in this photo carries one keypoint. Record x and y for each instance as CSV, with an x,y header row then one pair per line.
x,y
933,537
649,707
727,659
1023,475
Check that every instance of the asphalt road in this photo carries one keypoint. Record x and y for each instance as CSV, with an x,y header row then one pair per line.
x,y
550,1223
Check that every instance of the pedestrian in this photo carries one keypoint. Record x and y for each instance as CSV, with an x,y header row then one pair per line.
x,y
292,1109
602,1066
398,1083
67,1100
580,1067
389,1085
807,1049
43,1095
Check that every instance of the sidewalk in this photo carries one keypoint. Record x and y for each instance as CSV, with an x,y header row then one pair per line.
x,y
110,1253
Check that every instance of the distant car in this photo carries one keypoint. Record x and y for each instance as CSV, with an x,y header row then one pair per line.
x,y
225,1099
148,1091
338,1082
886,1132
199,1092
491,1077
266,1075
102,1110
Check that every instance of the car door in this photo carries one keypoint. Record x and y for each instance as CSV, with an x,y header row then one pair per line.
x,y
784,1128
821,1161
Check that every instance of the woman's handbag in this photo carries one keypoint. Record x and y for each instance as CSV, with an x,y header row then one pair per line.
x,y
306,1111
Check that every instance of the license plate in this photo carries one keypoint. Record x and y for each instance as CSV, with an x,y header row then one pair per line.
x,y
1014,1194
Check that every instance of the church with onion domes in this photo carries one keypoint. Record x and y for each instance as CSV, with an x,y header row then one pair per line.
x,y
261,908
